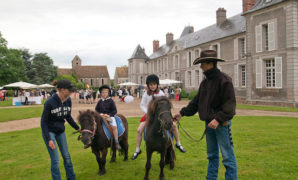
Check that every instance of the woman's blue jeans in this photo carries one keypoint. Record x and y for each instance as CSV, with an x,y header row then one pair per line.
x,y
54,155
220,138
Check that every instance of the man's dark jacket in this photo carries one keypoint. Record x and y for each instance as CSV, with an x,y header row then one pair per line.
x,y
215,98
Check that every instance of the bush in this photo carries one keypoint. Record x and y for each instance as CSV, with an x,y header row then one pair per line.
x,y
10,93
192,94
183,94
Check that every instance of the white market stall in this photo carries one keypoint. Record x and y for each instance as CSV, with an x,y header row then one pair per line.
x,y
169,82
128,84
20,99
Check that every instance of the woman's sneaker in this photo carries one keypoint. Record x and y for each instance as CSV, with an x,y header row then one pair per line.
x,y
135,155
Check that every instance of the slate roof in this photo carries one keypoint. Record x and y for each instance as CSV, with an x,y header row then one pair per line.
x,y
233,25
263,4
64,71
92,72
186,30
122,72
139,53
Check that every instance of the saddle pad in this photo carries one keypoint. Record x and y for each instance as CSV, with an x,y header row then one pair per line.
x,y
120,128
168,132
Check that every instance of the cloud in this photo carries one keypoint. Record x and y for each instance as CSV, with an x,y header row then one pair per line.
x,y
102,32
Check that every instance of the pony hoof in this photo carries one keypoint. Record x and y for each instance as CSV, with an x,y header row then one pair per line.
x,y
101,173
125,159
161,177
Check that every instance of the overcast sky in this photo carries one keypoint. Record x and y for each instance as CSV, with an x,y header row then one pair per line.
x,y
102,32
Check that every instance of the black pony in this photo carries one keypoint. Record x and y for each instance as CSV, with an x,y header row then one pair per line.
x,y
159,121
93,135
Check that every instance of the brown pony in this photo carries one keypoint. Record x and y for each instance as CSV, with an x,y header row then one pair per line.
x,y
159,120
93,135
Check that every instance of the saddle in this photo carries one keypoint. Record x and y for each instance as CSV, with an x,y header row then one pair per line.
x,y
107,121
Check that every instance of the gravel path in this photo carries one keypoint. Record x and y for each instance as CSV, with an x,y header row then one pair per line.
x,y
128,110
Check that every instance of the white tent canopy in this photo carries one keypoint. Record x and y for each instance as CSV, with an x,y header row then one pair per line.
x,y
128,84
22,85
45,86
169,82
1,87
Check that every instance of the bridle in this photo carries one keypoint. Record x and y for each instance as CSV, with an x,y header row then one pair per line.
x,y
162,129
89,131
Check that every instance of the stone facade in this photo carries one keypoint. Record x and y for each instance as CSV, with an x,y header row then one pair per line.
x,y
260,47
94,76
121,75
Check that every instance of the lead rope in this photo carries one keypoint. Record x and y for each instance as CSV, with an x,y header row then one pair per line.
x,y
188,136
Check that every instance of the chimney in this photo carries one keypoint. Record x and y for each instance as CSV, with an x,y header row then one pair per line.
x,y
169,38
155,45
248,4
221,16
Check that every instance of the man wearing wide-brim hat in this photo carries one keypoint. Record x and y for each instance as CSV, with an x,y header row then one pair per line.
x,y
216,103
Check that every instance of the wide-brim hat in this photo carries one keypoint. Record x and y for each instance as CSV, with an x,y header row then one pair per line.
x,y
207,56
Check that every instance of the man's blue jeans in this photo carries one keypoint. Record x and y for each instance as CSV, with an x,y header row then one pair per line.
x,y
54,154
220,137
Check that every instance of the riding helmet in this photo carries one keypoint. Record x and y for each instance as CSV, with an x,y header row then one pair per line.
x,y
152,78
105,87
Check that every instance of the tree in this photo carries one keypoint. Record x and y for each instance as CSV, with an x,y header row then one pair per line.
x,y
11,64
42,69
74,80
27,56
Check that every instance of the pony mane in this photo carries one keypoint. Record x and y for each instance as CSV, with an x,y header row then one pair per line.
x,y
87,113
152,107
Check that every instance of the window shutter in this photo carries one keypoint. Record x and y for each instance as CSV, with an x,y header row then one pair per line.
x,y
186,79
258,38
258,73
278,72
236,79
201,76
235,49
271,36
193,79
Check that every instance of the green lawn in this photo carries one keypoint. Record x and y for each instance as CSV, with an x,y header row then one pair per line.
x,y
8,102
20,113
266,108
265,148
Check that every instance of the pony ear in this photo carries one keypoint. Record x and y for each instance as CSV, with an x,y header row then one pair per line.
x,y
80,112
153,97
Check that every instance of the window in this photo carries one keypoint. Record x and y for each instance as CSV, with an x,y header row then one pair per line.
x,y
266,38
102,81
243,76
270,73
197,78
176,61
91,82
177,76
189,59
197,53
189,78
242,48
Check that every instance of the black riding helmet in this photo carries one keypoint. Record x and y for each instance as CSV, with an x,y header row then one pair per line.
x,y
152,78
105,87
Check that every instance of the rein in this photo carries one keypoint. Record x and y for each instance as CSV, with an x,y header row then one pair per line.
x,y
188,136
